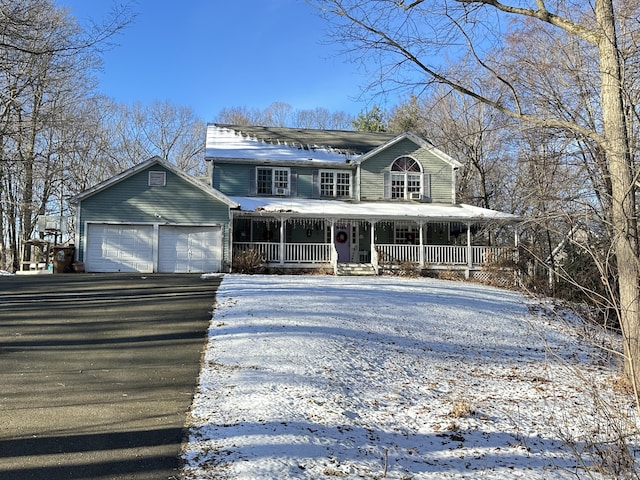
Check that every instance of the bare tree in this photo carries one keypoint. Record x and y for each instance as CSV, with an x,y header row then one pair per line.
x,y
410,38
280,114
171,132
321,118
45,68
476,136
240,116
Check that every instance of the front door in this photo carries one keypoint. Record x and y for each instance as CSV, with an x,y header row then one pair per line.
x,y
342,242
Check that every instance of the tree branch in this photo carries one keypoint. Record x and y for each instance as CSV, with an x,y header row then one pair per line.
x,y
484,65
405,52
544,15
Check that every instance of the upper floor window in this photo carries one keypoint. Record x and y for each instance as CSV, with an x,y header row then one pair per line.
x,y
335,183
406,179
272,181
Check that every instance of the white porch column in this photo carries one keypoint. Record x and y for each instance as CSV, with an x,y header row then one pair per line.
x,y
334,254
373,235
282,231
421,227
374,254
469,249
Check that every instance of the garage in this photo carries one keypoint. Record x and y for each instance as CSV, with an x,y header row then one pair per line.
x,y
189,249
153,218
119,248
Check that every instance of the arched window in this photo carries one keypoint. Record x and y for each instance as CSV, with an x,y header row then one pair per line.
x,y
406,178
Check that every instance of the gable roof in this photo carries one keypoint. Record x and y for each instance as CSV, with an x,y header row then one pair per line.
x,y
421,142
344,141
143,166
257,143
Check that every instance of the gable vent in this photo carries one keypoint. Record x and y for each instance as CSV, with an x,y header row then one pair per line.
x,y
157,179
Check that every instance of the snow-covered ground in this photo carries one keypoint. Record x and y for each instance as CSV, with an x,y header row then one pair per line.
x,y
312,377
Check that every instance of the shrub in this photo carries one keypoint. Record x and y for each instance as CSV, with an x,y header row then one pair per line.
x,y
248,261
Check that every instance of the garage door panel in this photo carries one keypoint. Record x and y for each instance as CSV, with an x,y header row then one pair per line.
x,y
131,248
119,248
189,249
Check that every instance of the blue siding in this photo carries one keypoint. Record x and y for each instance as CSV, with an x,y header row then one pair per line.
x,y
133,201
372,171
234,179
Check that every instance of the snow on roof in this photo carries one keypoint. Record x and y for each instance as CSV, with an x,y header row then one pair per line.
x,y
226,143
377,210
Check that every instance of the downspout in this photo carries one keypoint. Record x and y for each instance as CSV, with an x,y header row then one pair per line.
x,y
454,184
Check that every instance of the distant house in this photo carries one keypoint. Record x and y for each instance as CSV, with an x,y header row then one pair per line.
x,y
301,198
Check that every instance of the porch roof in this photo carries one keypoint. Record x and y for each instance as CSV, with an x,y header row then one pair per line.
x,y
416,211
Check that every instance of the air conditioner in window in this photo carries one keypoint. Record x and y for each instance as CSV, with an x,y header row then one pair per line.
x,y
282,191
415,196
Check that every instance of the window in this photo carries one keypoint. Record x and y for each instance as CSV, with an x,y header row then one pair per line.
x,y
404,234
335,183
272,181
157,179
406,178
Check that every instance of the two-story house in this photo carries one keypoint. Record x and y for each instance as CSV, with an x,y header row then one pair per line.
x,y
301,198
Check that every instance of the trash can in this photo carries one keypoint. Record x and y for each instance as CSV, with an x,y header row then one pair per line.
x,y
62,259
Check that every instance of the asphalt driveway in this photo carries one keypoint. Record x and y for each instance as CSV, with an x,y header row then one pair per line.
x,y
97,373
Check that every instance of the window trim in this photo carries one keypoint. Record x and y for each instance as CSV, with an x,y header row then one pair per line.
x,y
274,180
408,178
334,185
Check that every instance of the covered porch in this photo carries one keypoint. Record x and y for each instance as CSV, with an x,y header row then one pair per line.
x,y
308,233
287,239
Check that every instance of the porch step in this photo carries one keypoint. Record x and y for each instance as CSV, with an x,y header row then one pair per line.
x,y
355,269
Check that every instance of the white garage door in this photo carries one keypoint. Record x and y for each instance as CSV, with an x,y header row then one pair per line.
x,y
189,249
119,248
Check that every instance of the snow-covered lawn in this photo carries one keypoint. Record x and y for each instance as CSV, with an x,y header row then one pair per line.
x,y
320,376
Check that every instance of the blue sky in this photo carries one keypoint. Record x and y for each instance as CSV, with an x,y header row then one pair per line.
x,y
210,54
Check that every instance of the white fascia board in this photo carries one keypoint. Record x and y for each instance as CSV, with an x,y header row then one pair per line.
x,y
283,163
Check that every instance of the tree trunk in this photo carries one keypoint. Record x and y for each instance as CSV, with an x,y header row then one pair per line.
x,y
623,208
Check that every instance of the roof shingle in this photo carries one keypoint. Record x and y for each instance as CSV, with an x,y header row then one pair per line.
x,y
344,140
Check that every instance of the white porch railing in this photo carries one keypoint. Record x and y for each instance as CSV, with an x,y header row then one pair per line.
x,y
484,255
269,251
307,252
311,253
442,254
293,252
445,255
390,253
